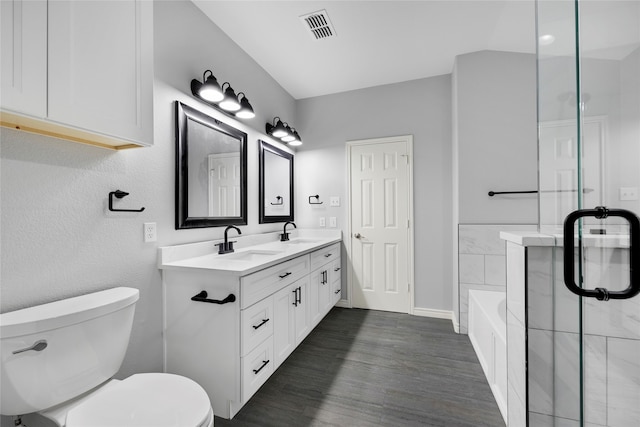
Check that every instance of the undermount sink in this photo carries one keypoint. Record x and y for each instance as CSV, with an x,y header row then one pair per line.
x,y
251,255
301,241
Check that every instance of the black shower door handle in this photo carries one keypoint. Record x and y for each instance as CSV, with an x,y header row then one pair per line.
x,y
603,294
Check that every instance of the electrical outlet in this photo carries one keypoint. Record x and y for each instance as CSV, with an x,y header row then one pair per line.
x,y
322,222
150,232
334,201
333,222
628,193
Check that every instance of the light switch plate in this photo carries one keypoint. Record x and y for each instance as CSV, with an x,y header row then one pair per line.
x,y
333,222
322,222
334,201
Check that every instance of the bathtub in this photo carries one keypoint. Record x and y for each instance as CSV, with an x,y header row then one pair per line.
x,y
487,332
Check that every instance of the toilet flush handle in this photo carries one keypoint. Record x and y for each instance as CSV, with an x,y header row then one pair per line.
x,y
37,346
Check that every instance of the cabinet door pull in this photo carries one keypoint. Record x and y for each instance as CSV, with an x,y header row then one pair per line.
x,y
324,280
299,294
295,297
285,275
337,291
264,363
202,297
260,324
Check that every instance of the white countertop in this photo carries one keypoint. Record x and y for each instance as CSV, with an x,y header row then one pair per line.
x,y
252,253
533,238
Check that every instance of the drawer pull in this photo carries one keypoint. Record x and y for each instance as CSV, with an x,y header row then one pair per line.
x,y
264,363
285,275
327,255
337,292
336,269
202,297
260,324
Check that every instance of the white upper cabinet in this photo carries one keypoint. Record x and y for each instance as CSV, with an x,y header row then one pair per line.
x,y
92,64
24,56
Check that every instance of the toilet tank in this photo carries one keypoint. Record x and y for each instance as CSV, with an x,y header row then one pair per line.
x,y
86,340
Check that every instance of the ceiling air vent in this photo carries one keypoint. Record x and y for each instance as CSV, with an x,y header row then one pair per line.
x,y
318,24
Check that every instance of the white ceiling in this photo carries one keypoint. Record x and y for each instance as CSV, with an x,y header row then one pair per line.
x,y
376,42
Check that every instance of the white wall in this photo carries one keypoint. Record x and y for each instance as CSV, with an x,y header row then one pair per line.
x,y
58,237
421,108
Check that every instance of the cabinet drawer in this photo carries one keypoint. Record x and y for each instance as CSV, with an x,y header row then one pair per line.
x,y
261,284
335,270
325,255
257,324
257,367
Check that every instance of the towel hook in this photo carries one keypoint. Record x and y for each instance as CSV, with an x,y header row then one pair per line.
x,y
317,202
120,194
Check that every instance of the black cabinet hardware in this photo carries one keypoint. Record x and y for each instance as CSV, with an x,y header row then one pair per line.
x,y
337,291
327,255
285,275
264,363
295,297
260,324
336,269
120,194
602,294
202,297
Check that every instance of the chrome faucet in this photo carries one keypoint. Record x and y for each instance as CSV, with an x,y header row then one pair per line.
x,y
226,247
285,236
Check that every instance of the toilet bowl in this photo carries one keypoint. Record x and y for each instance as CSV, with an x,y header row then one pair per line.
x,y
58,359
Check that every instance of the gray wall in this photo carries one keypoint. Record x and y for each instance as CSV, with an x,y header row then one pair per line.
x,y
494,143
496,137
421,108
59,239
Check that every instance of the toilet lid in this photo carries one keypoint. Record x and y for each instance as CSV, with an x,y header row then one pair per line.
x,y
145,400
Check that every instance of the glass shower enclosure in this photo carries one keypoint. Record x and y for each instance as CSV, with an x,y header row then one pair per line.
x,y
588,62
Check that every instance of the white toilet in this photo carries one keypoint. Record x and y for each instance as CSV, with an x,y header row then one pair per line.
x,y
58,360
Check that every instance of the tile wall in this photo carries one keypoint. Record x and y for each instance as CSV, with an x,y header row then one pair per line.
x,y
611,342
481,262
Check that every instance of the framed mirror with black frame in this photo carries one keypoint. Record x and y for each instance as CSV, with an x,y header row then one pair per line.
x,y
211,171
276,184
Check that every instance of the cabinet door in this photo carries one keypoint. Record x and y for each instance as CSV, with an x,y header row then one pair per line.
x,y
284,339
24,56
301,310
315,285
100,67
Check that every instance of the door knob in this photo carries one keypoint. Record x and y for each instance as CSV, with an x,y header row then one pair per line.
x,y
358,236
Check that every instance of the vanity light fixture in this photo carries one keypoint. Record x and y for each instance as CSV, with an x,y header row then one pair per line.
x,y
246,110
230,101
277,129
210,89
283,131
223,98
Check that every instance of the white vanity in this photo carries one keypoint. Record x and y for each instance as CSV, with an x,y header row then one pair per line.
x,y
258,304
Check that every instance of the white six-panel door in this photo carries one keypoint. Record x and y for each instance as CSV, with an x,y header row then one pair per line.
x,y
380,230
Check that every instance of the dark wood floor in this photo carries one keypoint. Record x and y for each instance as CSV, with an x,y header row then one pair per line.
x,y
374,368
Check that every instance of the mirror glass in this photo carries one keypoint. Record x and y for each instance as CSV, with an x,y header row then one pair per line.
x,y
211,171
276,184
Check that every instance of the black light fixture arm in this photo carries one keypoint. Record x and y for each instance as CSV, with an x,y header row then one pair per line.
x,y
120,194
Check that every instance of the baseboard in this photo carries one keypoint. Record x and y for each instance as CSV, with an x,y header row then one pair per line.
x,y
343,303
429,312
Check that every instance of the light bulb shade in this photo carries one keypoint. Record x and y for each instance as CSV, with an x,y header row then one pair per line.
x,y
288,138
278,131
210,89
296,139
246,110
230,101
